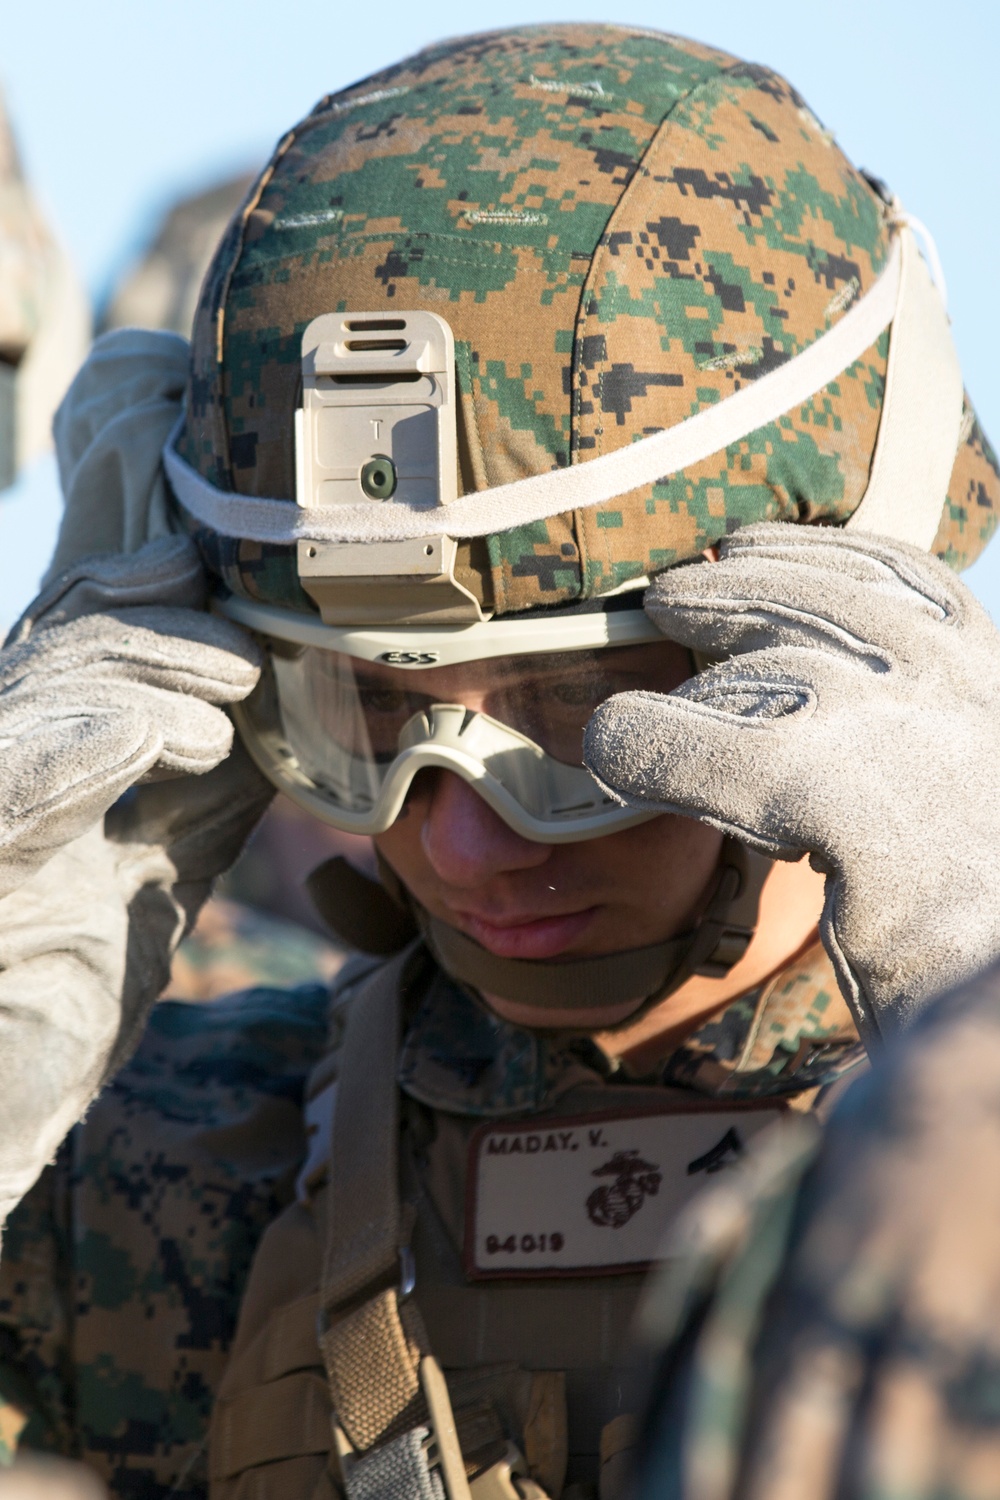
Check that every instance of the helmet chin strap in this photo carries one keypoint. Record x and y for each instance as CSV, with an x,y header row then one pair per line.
x,y
382,917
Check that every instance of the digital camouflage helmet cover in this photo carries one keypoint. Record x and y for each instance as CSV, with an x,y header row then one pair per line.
x,y
622,229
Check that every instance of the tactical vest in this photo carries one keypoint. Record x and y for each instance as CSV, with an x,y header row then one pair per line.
x,y
372,1359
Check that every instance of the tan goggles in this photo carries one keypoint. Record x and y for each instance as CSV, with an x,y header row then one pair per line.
x,y
343,720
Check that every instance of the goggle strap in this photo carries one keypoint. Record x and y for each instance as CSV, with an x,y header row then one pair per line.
x,y
579,984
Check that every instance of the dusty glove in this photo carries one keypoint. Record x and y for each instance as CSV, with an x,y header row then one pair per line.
x,y
857,718
114,677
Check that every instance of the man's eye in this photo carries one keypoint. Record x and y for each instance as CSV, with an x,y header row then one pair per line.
x,y
376,700
579,694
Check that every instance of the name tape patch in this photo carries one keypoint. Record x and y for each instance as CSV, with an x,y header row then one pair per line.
x,y
592,1193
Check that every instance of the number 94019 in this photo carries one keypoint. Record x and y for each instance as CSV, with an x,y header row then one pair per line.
x,y
526,1243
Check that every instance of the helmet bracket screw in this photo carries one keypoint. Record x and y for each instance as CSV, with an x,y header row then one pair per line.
x,y
378,477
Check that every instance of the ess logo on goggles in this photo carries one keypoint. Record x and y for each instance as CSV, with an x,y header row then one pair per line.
x,y
410,658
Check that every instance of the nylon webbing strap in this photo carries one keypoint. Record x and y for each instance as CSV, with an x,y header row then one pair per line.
x,y
726,930
556,491
719,941
397,1471
283,1419
372,1352
358,909
362,1238
921,414
578,984
372,1360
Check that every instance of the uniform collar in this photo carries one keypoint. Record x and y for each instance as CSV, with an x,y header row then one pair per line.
x,y
791,1034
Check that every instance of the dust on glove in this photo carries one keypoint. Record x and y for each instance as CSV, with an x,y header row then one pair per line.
x,y
856,717
123,797
115,673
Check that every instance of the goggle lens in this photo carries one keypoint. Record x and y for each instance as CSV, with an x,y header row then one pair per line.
x,y
331,701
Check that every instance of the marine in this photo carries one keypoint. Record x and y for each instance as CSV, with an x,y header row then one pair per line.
x,y
563,487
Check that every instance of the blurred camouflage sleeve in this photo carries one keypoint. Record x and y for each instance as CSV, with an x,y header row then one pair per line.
x,y
124,1267
830,1325
36,1377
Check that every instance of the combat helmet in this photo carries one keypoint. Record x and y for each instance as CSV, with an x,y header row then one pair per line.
x,y
44,318
506,329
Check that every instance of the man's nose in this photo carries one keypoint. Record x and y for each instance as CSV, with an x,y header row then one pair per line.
x,y
465,841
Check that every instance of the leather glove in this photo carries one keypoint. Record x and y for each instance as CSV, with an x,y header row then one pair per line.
x,y
112,689
857,718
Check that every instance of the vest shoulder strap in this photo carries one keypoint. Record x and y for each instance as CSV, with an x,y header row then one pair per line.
x,y
361,1232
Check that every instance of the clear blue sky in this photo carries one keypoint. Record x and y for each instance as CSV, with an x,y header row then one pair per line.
x,y
122,104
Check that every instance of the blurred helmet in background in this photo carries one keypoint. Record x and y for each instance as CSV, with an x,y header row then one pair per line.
x,y
44,318
160,289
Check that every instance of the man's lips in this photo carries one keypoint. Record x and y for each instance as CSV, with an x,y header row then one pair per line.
x,y
525,936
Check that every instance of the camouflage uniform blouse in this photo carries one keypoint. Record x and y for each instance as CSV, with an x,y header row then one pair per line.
x,y
123,1269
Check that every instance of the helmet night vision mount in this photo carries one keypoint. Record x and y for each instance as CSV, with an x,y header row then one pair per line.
x,y
377,423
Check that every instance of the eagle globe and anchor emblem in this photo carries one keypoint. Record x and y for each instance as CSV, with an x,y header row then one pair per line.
x,y
613,1204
